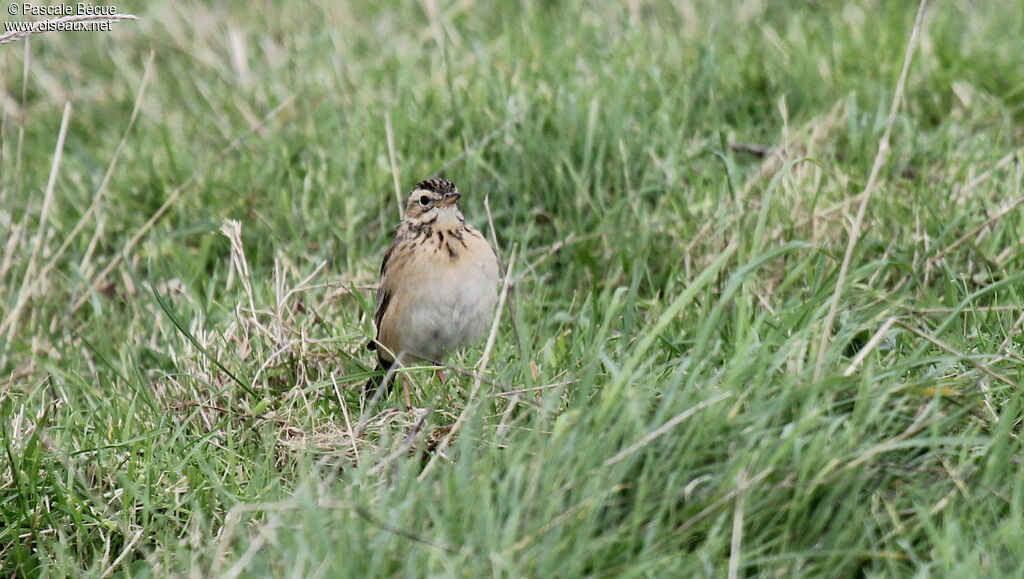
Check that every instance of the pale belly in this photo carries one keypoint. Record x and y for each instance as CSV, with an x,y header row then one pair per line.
x,y
449,304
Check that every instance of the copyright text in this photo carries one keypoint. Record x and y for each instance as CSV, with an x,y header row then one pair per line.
x,y
79,9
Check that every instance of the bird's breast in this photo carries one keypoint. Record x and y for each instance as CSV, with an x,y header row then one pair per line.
x,y
449,287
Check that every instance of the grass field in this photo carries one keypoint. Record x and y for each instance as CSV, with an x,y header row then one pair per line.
x,y
688,382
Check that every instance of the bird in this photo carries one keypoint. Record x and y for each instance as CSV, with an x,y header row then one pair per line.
x,y
438,284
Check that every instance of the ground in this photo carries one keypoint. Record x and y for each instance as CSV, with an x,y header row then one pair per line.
x,y
743,336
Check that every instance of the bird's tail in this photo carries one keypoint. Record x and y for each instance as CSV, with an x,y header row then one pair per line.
x,y
370,389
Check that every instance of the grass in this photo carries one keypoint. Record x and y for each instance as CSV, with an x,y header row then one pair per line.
x,y
182,399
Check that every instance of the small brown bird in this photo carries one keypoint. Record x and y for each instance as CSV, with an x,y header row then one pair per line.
x,y
438,283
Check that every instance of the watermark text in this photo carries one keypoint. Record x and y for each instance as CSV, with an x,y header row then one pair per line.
x,y
79,9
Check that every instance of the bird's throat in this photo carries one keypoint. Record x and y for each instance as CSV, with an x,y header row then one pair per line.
x,y
449,218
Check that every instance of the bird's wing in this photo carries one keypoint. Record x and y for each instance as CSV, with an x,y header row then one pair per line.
x,y
383,289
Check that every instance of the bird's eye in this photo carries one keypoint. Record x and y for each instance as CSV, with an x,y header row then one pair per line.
x,y
424,200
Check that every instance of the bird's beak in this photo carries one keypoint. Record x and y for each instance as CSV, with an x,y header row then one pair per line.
x,y
449,199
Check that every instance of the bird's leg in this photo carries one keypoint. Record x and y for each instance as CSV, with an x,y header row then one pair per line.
x,y
405,391
441,377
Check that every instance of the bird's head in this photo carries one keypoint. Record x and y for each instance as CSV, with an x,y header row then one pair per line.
x,y
433,199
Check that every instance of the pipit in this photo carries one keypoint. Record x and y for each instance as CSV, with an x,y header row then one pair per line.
x,y
438,283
